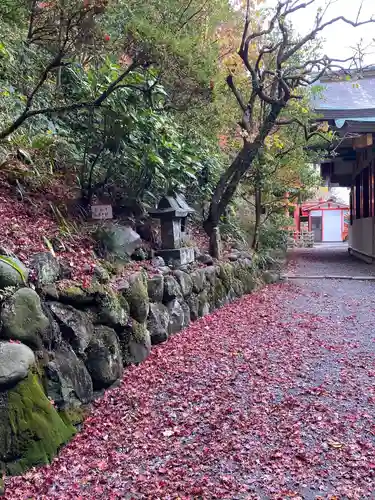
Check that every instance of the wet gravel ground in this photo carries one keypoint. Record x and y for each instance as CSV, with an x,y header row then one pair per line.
x,y
271,397
343,369
330,259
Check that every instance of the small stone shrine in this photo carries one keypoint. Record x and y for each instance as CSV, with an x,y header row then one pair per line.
x,y
173,212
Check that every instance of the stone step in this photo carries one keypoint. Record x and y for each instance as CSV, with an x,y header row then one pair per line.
x,y
287,277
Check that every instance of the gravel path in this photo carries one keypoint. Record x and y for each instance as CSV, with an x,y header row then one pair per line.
x,y
271,397
330,259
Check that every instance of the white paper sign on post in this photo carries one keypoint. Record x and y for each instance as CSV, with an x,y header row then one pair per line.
x,y
101,212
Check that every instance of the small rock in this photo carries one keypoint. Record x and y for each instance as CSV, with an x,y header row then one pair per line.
x,y
206,259
75,326
158,262
172,289
15,361
139,255
118,241
157,323
270,277
233,257
104,361
77,296
46,268
23,318
68,381
49,292
101,274
137,297
12,272
65,271
155,288
176,316
184,281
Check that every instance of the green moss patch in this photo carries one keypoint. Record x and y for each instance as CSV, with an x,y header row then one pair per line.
x,y
36,429
137,297
226,274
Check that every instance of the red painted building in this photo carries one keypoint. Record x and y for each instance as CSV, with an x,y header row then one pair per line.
x,y
327,219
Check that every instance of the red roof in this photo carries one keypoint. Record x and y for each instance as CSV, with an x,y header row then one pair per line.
x,y
321,204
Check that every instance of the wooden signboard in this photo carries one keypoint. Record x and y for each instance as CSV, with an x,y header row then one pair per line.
x,y
101,212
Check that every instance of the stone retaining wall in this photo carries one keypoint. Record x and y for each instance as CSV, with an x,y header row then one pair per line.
x,y
59,348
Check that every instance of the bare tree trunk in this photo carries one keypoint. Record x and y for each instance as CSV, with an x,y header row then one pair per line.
x,y
231,178
258,211
226,188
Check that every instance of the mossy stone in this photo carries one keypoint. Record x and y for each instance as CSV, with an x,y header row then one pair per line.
x,y
12,272
113,309
74,415
155,287
140,342
34,429
23,318
135,343
186,310
137,297
176,316
269,277
77,296
67,380
203,304
157,323
219,294
238,288
226,274
46,268
185,282
246,275
103,357
193,303
198,279
210,273
172,289
75,325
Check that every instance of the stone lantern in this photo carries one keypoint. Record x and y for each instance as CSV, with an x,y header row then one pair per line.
x,y
173,212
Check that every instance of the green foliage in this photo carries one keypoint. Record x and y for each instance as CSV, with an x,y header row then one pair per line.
x,y
273,234
181,38
152,135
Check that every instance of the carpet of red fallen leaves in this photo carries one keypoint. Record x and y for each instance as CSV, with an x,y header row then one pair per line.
x,y
24,225
271,397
